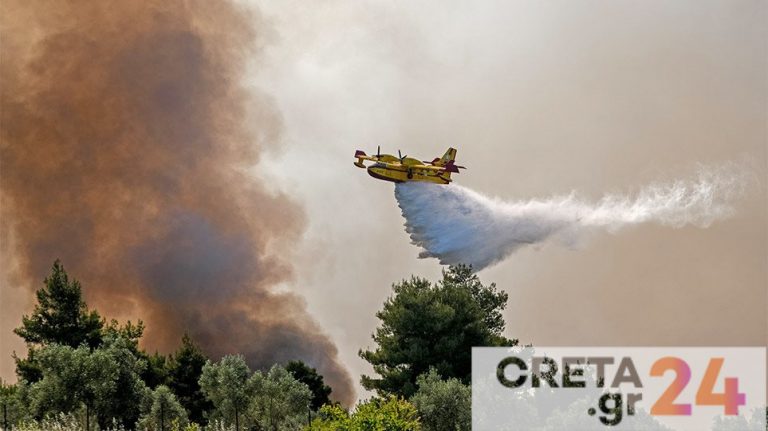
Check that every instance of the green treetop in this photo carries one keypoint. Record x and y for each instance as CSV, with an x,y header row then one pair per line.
x,y
61,316
228,384
163,412
425,325
390,414
443,405
185,369
280,401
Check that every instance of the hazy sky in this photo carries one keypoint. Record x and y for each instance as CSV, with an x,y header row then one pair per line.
x,y
540,99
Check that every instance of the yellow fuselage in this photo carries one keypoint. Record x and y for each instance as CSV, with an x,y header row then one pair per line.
x,y
400,173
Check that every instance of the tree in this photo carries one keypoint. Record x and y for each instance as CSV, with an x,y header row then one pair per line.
x,y
280,401
13,399
163,409
124,406
229,386
61,316
74,377
314,381
7,402
185,369
155,367
391,414
443,405
331,417
427,326
104,381
157,371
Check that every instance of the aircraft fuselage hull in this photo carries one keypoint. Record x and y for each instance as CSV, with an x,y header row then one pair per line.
x,y
402,174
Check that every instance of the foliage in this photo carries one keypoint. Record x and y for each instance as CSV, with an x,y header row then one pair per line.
x,y
314,381
58,422
28,369
81,369
331,417
61,316
229,386
104,381
443,405
427,326
280,401
163,409
184,371
128,332
64,422
125,404
219,425
157,370
392,414
13,401
155,367
73,377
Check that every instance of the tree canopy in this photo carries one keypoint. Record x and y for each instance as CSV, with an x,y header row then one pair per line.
x,y
105,382
228,385
85,372
162,409
61,315
280,402
75,377
425,325
390,414
443,405
12,404
184,371
273,401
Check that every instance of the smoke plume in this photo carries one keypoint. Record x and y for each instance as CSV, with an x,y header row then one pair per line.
x,y
127,137
457,225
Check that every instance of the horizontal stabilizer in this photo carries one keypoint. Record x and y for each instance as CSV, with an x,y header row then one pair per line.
x,y
452,167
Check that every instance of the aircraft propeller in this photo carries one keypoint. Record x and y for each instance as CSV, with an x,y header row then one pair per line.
x,y
402,157
378,151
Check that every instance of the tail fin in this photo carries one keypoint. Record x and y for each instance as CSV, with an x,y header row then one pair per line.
x,y
447,161
449,156
359,154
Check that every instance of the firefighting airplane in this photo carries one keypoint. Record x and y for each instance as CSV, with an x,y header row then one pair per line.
x,y
403,168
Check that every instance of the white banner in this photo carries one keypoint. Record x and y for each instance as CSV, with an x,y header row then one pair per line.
x,y
619,388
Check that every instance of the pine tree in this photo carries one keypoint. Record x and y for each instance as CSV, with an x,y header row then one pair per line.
x,y
426,325
186,367
61,316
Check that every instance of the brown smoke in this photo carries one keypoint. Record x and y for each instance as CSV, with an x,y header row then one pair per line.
x,y
126,142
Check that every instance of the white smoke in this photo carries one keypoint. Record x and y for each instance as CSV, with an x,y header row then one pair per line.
x,y
457,225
